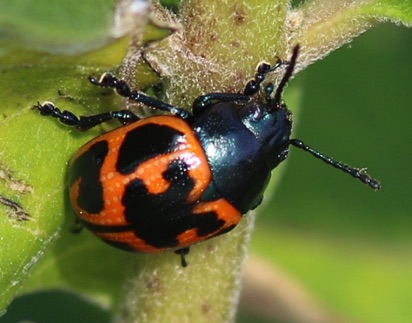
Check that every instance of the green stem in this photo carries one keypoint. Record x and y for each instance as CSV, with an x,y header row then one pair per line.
x,y
216,49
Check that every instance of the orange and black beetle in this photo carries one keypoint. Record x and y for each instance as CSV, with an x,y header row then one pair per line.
x,y
167,182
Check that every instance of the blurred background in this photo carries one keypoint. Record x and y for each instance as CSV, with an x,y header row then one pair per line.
x,y
347,246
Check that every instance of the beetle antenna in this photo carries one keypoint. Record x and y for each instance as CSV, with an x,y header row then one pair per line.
x,y
287,76
355,172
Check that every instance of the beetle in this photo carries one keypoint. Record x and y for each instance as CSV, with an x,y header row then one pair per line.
x,y
167,182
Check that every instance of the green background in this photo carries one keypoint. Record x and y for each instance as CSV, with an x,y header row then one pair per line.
x,y
349,246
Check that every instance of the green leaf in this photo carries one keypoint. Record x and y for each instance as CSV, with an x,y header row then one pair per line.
x,y
69,27
33,163
322,26
34,152
398,11
74,259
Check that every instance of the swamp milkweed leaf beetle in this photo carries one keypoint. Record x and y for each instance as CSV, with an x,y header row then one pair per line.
x,y
167,182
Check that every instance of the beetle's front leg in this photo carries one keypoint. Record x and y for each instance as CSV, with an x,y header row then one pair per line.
x,y
84,123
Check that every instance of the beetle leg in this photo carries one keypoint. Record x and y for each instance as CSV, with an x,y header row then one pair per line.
x,y
253,86
84,123
121,87
183,252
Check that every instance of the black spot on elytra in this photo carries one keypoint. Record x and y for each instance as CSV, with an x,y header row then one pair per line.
x,y
162,232
139,204
86,168
207,223
163,235
143,143
159,218
177,173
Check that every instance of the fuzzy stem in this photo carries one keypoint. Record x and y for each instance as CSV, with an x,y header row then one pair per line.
x,y
217,49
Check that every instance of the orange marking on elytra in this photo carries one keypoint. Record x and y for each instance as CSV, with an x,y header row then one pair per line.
x,y
149,172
